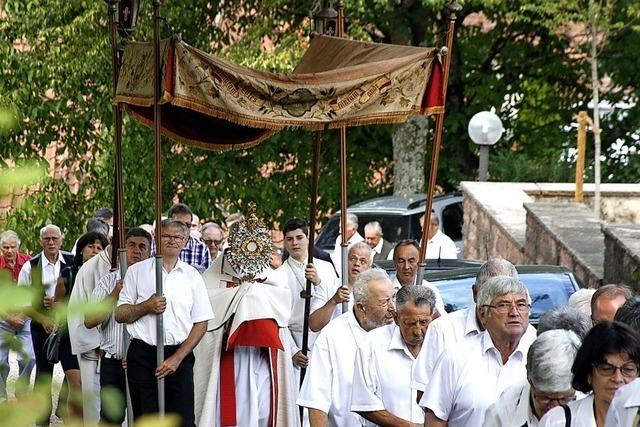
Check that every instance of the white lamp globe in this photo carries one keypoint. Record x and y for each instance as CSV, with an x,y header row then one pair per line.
x,y
485,128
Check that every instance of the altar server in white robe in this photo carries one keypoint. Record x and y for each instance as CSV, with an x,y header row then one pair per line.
x,y
326,389
243,375
294,273
382,392
328,296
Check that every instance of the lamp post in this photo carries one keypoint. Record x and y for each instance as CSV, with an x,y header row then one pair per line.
x,y
485,129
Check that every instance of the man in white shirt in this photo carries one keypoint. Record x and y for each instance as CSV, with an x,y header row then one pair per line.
x,y
326,302
469,377
112,342
380,248
440,245
294,273
185,309
406,255
447,331
41,272
326,389
381,384
352,235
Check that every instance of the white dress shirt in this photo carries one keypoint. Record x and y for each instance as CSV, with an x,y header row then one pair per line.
x,y
382,376
625,406
441,246
111,332
469,377
442,333
439,302
50,273
582,415
327,385
291,274
513,408
323,293
187,300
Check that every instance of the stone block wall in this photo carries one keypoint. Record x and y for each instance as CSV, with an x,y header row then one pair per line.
x,y
622,255
565,234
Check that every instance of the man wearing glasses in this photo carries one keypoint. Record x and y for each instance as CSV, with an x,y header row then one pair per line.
x,y
185,309
469,377
213,237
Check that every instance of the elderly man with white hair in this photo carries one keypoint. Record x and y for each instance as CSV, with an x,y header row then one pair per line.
x,y
380,248
382,393
326,389
469,377
548,382
352,235
447,331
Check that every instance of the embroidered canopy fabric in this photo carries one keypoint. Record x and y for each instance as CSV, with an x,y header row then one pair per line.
x,y
212,103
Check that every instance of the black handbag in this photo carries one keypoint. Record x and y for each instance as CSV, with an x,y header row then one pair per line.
x,y
52,347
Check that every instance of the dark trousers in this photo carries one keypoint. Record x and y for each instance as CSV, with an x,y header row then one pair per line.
x,y
141,366
113,391
44,369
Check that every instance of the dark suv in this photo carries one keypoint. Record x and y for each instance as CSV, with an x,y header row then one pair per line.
x,y
399,218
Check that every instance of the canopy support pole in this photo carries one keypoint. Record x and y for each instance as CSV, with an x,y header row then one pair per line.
x,y
157,86
306,294
117,242
451,9
118,205
344,172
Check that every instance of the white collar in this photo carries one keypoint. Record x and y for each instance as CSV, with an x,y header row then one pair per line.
x,y
397,342
471,322
487,344
297,264
378,248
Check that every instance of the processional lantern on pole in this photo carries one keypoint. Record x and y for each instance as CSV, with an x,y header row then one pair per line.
x,y
127,17
325,20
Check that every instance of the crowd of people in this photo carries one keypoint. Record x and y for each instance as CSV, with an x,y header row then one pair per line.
x,y
378,350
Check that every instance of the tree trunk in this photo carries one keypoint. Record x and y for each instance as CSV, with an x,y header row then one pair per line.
x,y
409,153
593,21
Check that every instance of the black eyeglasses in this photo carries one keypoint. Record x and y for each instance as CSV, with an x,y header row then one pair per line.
x,y
628,370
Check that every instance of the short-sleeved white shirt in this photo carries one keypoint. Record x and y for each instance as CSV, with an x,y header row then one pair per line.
x,y
582,415
441,246
625,406
382,376
187,300
443,333
327,385
323,293
471,376
513,408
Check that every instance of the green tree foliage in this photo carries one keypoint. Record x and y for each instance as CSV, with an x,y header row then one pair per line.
x,y
55,59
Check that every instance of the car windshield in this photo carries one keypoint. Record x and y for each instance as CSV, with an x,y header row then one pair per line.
x,y
547,290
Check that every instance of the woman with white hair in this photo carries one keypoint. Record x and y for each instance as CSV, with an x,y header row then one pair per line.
x,y
607,359
548,382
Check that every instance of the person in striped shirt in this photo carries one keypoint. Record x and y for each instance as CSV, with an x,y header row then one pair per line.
x,y
112,343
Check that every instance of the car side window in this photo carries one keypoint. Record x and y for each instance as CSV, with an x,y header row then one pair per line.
x,y
452,218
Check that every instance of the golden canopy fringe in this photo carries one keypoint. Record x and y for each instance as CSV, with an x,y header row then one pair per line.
x,y
214,104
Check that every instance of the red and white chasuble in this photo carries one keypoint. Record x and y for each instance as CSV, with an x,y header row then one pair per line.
x,y
243,374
